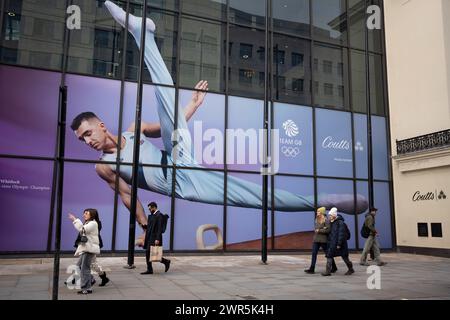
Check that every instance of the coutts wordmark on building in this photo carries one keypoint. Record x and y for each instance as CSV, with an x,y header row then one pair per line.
x,y
429,196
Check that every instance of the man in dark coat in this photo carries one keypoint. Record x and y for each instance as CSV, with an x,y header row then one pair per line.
x,y
153,236
337,243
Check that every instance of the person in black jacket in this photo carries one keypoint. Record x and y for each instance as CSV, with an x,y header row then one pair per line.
x,y
337,243
153,236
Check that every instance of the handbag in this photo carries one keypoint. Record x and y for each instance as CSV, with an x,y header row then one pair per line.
x,y
156,253
83,238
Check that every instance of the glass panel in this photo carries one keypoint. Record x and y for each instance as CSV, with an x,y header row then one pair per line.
x,y
215,9
343,201
197,222
165,39
33,33
201,56
98,96
358,87
294,230
247,58
375,35
145,197
291,69
330,21
25,192
380,150
331,77
360,127
383,221
29,111
333,143
163,4
96,48
357,23
245,120
206,127
83,188
295,145
291,16
151,137
250,12
239,235
376,85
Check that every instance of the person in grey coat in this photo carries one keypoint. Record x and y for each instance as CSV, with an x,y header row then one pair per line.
x,y
321,231
372,241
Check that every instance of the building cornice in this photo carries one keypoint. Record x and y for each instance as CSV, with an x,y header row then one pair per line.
x,y
423,160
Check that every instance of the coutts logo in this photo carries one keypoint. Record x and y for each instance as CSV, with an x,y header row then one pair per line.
x,y
330,143
417,196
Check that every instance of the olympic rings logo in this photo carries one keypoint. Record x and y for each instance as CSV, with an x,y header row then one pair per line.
x,y
290,151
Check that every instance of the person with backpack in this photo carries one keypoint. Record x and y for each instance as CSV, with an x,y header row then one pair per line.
x,y
369,232
155,228
321,232
337,242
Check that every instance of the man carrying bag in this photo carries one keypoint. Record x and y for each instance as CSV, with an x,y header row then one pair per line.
x,y
153,238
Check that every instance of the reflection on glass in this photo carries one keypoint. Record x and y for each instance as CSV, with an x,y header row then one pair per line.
x,y
292,70
165,38
205,8
164,4
247,58
291,16
201,55
330,21
96,48
32,33
330,77
376,84
250,12
357,15
357,22
358,76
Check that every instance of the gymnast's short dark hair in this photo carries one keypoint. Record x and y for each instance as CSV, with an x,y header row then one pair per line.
x,y
76,122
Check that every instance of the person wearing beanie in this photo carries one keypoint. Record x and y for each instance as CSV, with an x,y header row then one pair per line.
x,y
321,231
372,243
337,242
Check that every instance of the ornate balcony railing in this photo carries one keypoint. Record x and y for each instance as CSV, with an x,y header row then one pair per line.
x,y
425,142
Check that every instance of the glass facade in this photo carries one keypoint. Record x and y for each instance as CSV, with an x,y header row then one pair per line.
x,y
319,86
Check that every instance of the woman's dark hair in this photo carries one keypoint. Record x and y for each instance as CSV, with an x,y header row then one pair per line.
x,y
94,214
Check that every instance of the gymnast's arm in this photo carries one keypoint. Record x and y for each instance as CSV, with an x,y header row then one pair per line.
x,y
153,130
106,173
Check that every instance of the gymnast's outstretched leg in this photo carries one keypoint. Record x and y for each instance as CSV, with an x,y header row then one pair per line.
x,y
160,75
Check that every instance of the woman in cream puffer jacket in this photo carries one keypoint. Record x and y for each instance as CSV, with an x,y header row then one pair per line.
x,y
87,250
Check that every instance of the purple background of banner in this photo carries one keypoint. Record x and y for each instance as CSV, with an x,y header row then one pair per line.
x,y
25,213
28,112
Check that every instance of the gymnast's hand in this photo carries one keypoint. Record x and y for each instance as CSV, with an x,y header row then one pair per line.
x,y
199,96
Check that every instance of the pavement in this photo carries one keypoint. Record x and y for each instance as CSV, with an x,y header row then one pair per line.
x,y
236,277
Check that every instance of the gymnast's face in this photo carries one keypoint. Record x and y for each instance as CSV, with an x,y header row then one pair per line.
x,y
93,132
